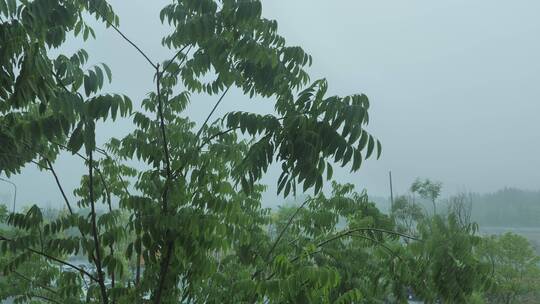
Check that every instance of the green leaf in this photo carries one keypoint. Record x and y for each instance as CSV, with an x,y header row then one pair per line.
x,y
329,171
76,139
78,27
371,146
379,149
363,140
107,71
89,137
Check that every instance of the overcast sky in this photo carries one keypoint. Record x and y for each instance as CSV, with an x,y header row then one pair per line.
x,y
454,86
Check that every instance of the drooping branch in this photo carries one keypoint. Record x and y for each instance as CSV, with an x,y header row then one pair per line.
x,y
52,258
379,243
43,298
353,230
268,258
289,222
20,275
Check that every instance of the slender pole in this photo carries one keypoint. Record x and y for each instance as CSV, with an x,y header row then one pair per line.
x,y
391,190
14,191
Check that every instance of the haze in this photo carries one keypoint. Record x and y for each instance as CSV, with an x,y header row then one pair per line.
x,y
454,87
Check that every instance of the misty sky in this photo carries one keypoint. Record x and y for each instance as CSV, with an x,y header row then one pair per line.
x,y
454,86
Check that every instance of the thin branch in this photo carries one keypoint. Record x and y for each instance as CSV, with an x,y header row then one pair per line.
x,y
128,40
217,135
59,79
104,153
109,203
169,246
178,171
95,233
50,257
124,185
165,142
68,149
208,139
51,168
289,222
33,282
213,110
281,234
392,252
174,57
59,185
350,231
43,298
164,267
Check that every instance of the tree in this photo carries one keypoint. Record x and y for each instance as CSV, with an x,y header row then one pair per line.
x,y
197,197
332,249
461,206
515,274
443,265
406,214
427,189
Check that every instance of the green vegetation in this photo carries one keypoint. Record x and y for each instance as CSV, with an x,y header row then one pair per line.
x,y
189,226
515,273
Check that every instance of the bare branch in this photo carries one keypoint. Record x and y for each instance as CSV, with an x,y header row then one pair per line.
x,y
129,41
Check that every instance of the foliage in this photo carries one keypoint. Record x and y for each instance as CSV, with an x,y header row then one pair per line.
x,y
3,213
197,197
447,267
515,273
189,226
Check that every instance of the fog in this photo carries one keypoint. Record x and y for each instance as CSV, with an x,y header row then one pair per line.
x,y
454,87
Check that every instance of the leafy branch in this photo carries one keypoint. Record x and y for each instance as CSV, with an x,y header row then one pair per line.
x,y
52,258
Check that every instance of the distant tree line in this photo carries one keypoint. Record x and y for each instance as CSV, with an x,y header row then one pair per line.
x,y
508,207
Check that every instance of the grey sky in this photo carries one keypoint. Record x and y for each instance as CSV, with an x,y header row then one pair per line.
x,y
454,86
